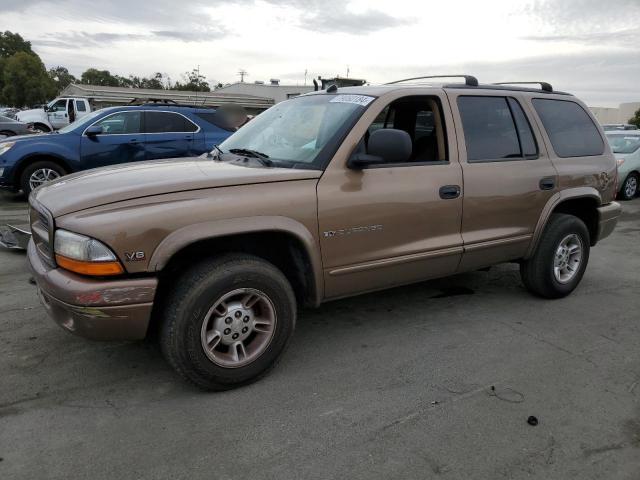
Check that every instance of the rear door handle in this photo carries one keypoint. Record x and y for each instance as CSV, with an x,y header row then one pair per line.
x,y
449,191
547,183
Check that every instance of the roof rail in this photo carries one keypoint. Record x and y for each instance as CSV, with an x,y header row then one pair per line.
x,y
153,101
469,80
544,86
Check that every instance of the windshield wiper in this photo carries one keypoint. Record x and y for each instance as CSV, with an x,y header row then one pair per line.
x,y
217,156
261,157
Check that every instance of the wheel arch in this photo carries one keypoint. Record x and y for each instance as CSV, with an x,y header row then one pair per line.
x,y
286,243
581,202
39,157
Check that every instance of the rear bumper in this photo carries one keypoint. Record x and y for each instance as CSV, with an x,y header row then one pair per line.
x,y
607,219
96,309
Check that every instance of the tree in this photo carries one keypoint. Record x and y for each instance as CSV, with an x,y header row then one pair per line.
x,y
193,82
61,78
26,81
93,76
12,43
635,120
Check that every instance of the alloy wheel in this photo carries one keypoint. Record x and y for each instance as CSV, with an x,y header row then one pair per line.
x,y
568,258
41,176
238,328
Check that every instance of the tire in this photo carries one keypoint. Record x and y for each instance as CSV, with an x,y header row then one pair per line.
x,y
40,128
539,273
6,133
46,168
190,316
630,187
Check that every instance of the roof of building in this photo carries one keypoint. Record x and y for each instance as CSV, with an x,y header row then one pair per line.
x,y
125,95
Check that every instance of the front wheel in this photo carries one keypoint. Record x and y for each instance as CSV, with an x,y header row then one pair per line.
x,y
228,321
39,173
559,262
630,187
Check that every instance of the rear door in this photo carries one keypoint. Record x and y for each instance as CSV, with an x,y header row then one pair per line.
x,y
121,141
508,176
169,135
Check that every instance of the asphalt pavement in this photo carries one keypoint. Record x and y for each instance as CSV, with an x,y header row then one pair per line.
x,y
435,380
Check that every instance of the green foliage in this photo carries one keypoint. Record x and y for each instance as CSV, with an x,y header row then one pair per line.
x,y
193,81
61,78
635,120
26,81
103,78
12,43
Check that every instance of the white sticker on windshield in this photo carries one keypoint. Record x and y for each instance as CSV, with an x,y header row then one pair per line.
x,y
363,100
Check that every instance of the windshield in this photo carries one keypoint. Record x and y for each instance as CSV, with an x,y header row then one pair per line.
x,y
81,121
624,143
295,132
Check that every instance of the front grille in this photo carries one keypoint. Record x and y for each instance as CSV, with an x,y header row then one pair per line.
x,y
42,231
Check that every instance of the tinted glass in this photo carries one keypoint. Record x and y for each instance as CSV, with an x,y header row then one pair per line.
x,y
80,106
527,140
167,122
123,123
570,129
213,118
489,130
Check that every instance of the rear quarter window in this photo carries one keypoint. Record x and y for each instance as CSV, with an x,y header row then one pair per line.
x,y
570,128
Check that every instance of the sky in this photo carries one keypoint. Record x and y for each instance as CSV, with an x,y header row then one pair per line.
x,y
588,47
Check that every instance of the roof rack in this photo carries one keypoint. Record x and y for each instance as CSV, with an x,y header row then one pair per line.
x,y
544,86
153,101
469,80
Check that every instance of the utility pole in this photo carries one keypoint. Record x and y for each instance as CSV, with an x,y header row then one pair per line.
x,y
305,77
347,71
242,74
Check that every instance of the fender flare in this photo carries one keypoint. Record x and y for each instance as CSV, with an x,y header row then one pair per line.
x,y
552,203
20,164
191,234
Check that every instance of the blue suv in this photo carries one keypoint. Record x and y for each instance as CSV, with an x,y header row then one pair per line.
x,y
107,137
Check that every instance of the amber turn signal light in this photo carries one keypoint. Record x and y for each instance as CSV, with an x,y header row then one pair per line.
x,y
99,269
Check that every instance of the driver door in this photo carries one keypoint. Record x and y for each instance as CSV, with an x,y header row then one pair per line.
x,y
121,141
57,114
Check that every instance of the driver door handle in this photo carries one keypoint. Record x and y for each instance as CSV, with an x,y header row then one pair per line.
x,y
448,192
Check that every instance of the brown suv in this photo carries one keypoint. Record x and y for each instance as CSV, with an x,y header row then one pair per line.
x,y
331,194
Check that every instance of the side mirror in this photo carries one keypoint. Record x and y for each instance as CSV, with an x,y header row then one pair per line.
x,y
358,161
93,130
386,145
45,108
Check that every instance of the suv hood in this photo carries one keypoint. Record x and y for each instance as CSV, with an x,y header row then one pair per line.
x,y
101,186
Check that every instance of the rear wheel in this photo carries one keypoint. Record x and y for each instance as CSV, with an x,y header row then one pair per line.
x,y
228,321
629,187
39,173
559,262
40,128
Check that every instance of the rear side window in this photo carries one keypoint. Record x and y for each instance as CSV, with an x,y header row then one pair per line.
x,y
167,122
492,132
570,129
80,106
214,119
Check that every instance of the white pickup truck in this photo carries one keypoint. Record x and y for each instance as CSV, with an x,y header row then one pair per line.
x,y
58,113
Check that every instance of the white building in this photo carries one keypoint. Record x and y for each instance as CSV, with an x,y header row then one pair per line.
x,y
272,90
621,114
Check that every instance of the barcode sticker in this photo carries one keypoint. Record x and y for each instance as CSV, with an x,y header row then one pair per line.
x,y
363,100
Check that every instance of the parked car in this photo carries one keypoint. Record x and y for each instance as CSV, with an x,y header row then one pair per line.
x,y
626,148
619,126
11,128
57,114
306,203
107,137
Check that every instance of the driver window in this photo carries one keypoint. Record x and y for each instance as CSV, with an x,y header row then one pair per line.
x,y
59,106
421,118
121,123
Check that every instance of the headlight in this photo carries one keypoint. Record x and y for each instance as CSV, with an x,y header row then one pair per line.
x,y
620,161
5,146
85,255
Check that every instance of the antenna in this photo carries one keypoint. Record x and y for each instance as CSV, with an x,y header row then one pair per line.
x,y
347,71
305,76
242,74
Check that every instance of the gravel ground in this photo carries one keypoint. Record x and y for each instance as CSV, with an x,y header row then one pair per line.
x,y
392,385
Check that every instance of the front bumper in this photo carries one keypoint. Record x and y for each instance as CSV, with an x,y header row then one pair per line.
x,y
607,219
97,309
